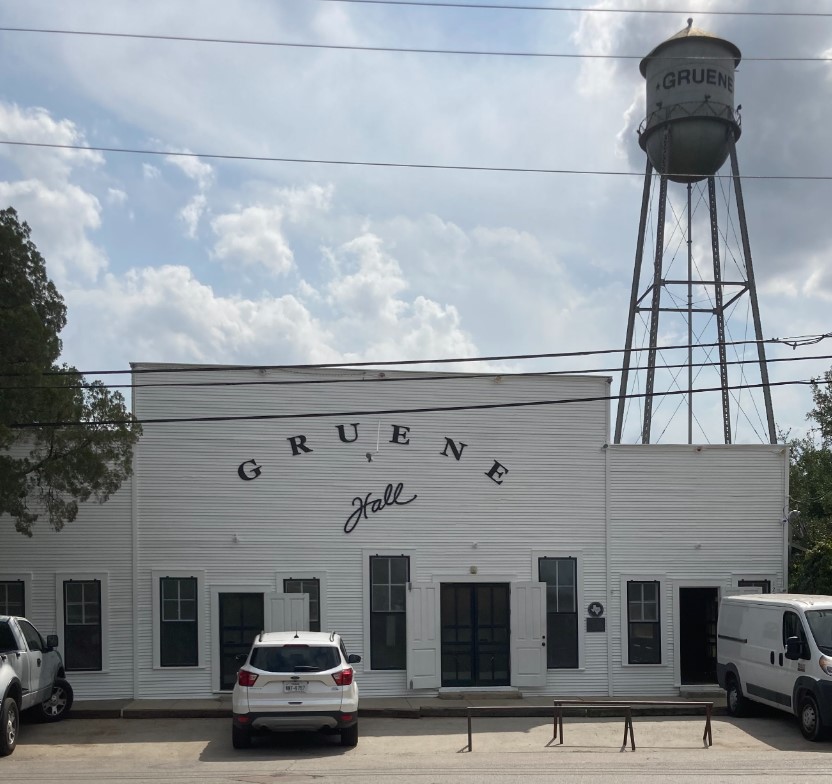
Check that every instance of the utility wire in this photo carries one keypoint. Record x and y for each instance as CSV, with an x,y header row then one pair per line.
x,y
399,49
378,379
580,9
792,341
374,412
388,164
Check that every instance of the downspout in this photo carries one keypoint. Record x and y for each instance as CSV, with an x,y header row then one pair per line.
x,y
607,558
134,534
787,531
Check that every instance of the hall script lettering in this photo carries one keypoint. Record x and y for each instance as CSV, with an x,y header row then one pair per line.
x,y
366,503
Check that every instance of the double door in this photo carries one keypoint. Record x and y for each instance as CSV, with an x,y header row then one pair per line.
x,y
475,628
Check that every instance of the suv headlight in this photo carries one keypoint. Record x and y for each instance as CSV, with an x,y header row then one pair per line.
x,y
825,663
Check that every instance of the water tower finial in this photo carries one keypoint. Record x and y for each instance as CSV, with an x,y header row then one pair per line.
x,y
690,21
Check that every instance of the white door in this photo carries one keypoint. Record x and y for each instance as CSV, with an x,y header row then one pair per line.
x,y
423,636
528,634
286,612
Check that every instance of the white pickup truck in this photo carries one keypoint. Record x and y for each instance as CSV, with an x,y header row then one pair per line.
x,y
31,676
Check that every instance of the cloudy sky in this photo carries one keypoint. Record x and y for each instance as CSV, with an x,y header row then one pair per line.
x,y
200,259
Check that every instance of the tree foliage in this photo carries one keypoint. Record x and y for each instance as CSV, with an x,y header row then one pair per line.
x,y
62,440
810,482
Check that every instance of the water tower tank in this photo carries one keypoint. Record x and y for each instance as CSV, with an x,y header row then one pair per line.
x,y
690,90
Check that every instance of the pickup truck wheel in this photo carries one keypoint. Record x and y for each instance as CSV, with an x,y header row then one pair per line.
x,y
735,701
58,705
9,723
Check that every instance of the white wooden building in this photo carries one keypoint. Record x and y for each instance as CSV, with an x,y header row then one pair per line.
x,y
473,531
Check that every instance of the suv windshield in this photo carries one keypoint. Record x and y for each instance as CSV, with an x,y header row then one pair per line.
x,y
820,622
295,658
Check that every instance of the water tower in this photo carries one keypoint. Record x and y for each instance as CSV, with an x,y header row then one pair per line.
x,y
690,131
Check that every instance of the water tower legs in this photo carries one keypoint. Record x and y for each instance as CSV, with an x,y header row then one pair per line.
x,y
722,294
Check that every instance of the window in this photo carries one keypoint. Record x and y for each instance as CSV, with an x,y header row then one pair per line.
x,y
560,576
178,634
763,585
31,635
8,643
643,627
12,598
311,586
82,624
792,627
388,632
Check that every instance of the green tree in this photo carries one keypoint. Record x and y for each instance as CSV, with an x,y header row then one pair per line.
x,y
810,482
62,440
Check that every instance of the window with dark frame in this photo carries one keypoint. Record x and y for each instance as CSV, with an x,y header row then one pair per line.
x,y
763,585
311,586
12,597
561,578
82,625
792,627
178,640
388,631
643,627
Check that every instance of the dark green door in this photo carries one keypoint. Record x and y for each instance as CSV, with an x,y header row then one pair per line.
x,y
241,620
475,634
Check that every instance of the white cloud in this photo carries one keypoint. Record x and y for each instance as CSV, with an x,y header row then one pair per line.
x,y
60,218
116,196
150,172
253,236
191,214
36,125
200,172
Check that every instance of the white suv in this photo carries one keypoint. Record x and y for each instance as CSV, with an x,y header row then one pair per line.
x,y
296,681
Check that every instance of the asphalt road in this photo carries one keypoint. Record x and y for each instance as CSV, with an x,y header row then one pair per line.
x,y
422,751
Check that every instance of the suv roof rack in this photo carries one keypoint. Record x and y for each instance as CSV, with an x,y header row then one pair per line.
x,y
261,636
332,636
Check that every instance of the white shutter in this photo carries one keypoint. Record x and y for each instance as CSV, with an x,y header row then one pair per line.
x,y
528,634
286,612
423,636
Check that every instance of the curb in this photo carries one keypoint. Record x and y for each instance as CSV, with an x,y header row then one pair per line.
x,y
518,711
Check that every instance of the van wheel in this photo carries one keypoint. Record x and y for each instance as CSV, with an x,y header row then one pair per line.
x,y
9,726
349,735
736,702
809,715
58,704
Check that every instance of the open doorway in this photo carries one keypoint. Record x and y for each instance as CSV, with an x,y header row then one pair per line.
x,y
698,609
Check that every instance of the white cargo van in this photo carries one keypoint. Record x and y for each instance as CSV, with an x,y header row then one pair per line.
x,y
776,649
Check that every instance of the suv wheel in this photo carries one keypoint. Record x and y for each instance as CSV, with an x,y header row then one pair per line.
x,y
58,705
349,735
240,737
9,724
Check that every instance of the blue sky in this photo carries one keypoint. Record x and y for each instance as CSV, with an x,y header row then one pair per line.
x,y
201,260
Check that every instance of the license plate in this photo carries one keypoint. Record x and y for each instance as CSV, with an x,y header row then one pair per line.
x,y
295,686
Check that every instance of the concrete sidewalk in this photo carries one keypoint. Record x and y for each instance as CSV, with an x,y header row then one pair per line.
x,y
398,707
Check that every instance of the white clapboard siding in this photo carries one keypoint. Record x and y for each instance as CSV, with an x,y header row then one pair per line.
x,y
689,513
196,513
97,543
681,513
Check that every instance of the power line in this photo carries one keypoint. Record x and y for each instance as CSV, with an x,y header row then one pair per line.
x,y
580,9
381,378
388,164
398,49
385,411
793,341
